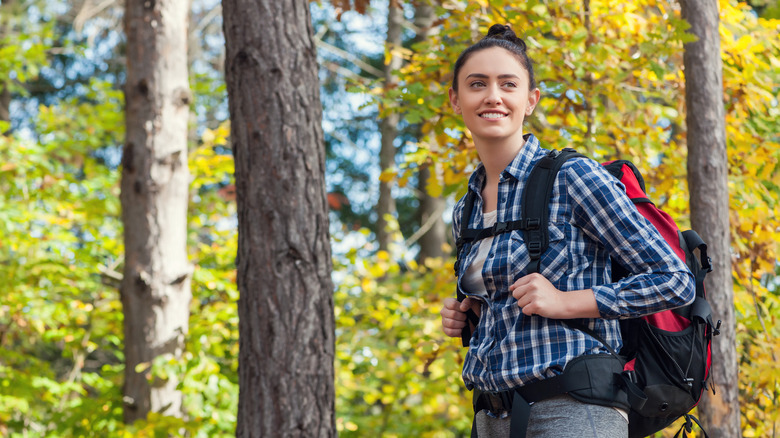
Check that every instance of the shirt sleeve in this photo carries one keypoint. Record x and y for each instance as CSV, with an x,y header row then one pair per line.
x,y
658,280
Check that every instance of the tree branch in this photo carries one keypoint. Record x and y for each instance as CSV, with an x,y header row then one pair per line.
x,y
88,11
426,226
368,68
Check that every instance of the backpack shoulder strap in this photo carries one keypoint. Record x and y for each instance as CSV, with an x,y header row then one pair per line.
x,y
465,220
536,202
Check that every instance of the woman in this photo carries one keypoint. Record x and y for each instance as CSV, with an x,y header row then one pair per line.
x,y
522,337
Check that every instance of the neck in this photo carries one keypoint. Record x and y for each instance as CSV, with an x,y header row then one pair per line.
x,y
497,154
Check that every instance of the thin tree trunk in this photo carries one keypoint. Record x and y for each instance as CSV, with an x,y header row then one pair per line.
x,y
431,208
8,8
5,103
708,186
430,213
286,318
388,127
155,289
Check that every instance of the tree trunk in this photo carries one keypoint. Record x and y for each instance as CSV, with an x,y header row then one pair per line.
x,y
430,214
5,103
8,8
388,126
708,186
155,289
431,208
286,318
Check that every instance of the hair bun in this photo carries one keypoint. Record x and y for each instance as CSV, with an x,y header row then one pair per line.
x,y
504,32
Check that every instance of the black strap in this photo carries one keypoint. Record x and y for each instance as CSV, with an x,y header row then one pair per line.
x,y
701,310
536,202
687,427
693,240
550,387
465,220
474,234
636,397
521,413
468,207
578,325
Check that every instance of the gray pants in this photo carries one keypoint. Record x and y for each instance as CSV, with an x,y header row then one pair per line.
x,y
560,417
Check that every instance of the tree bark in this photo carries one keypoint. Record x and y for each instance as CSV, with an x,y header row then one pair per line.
x,y
5,103
155,288
8,9
388,127
286,317
431,208
708,186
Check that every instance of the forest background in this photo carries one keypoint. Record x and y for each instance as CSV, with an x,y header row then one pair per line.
x,y
613,87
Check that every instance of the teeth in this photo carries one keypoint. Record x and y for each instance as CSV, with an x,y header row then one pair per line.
x,y
492,115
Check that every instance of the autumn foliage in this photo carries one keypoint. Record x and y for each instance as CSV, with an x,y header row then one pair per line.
x,y
613,86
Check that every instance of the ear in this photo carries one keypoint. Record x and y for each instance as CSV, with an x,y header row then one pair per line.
x,y
454,101
533,100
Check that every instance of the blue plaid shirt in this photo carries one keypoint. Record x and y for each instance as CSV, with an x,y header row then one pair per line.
x,y
591,221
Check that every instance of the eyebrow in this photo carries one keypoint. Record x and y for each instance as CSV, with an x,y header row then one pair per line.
x,y
484,76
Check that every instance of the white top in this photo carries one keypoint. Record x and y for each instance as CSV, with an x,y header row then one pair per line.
x,y
472,278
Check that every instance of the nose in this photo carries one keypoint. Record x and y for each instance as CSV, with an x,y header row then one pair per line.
x,y
493,95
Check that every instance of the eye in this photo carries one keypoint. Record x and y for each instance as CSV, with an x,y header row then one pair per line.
x,y
510,84
477,84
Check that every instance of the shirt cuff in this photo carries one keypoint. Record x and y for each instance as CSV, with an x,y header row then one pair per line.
x,y
607,301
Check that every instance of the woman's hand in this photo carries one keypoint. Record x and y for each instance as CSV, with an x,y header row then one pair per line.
x,y
453,315
537,296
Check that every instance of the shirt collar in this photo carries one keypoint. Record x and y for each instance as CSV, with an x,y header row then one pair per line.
x,y
519,166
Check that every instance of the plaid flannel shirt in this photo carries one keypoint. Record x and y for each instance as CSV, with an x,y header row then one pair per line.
x,y
591,221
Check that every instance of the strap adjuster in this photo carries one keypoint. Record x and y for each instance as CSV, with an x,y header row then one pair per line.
x,y
499,227
497,402
534,249
533,223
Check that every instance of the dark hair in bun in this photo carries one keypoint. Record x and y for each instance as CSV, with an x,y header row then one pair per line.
x,y
499,35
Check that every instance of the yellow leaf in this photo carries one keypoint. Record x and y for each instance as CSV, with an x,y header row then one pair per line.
x,y
571,119
367,285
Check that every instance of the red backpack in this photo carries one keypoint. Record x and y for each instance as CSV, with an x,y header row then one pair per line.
x,y
669,352
667,355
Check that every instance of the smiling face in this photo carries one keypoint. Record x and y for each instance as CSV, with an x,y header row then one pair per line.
x,y
493,96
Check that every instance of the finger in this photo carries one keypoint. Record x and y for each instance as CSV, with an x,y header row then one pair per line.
x,y
525,279
521,291
453,323
453,314
526,303
451,329
528,285
523,301
453,333
466,304
451,303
